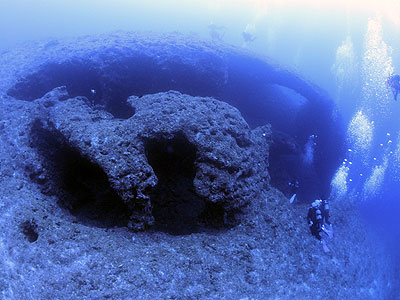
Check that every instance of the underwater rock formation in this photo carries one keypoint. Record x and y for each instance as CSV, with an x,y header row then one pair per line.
x,y
65,202
179,159
107,69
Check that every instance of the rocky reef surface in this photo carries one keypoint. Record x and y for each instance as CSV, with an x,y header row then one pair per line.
x,y
107,69
177,159
169,200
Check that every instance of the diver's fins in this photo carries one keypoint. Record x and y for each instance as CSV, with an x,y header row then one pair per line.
x,y
328,229
292,198
324,246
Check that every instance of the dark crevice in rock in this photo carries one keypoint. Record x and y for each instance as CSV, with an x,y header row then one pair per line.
x,y
78,76
109,86
284,162
81,78
81,186
177,209
216,216
30,230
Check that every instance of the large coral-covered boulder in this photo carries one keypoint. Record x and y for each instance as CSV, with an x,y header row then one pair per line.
x,y
179,162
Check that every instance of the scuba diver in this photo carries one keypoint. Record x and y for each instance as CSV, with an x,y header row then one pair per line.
x,y
318,221
248,37
248,34
216,32
294,186
393,82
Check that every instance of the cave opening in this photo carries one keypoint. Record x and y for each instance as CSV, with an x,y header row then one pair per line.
x,y
81,78
81,186
177,209
108,83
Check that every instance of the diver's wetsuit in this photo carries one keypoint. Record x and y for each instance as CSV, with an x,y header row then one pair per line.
x,y
314,219
394,83
317,216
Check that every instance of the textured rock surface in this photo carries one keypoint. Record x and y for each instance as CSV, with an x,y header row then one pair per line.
x,y
207,157
122,64
269,255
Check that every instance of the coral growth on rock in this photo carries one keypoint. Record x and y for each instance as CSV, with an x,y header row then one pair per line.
x,y
179,159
